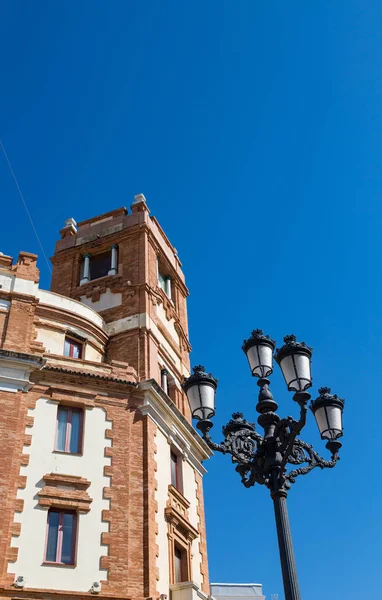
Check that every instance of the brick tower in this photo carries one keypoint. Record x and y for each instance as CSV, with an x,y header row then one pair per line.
x,y
124,267
101,470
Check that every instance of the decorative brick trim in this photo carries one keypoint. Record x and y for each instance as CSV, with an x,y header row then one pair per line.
x,y
202,534
19,505
151,549
24,461
77,498
106,515
16,529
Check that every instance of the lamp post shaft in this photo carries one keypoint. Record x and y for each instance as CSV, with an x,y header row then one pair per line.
x,y
288,562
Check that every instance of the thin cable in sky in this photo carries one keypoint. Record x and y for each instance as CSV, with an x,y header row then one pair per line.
x,y
25,204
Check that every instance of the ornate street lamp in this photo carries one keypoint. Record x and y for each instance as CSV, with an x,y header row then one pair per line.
x,y
264,458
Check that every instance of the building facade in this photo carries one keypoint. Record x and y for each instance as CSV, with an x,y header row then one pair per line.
x,y
101,470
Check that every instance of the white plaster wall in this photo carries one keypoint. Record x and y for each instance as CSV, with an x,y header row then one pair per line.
x,y
6,281
10,283
106,300
189,492
124,324
52,340
52,299
92,353
163,476
31,542
23,286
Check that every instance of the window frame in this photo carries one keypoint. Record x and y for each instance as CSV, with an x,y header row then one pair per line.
x,y
183,563
60,537
163,273
68,430
73,341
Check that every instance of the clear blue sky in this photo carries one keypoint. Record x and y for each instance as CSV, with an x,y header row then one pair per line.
x,y
254,129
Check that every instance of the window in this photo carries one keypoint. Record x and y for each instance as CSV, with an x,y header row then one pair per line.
x,y
100,265
176,463
161,281
164,380
94,266
180,564
73,348
61,537
69,430
164,282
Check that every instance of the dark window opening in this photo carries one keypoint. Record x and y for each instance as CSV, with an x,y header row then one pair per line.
x,y
100,265
180,565
61,538
176,471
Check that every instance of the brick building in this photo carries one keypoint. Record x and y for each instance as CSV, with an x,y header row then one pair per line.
x,y
101,470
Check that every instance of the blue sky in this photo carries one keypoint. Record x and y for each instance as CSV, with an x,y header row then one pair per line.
x,y
254,130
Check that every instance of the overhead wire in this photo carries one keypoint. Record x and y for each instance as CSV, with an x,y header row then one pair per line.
x,y
25,205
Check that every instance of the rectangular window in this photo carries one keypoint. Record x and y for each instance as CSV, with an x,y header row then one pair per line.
x,y
61,537
73,348
161,281
69,430
180,565
175,471
100,265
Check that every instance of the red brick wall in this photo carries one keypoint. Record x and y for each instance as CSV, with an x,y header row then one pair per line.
x,y
13,422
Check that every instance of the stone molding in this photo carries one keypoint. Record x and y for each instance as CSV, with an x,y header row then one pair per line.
x,y
177,501
16,368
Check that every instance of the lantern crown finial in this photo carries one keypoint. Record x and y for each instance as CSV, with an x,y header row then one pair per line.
x,y
257,335
324,390
290,339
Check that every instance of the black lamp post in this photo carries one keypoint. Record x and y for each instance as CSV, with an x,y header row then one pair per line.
x,y
264,458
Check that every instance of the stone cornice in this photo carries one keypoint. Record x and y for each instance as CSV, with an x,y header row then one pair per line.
x,y
174,517
53,375
16,368
173,424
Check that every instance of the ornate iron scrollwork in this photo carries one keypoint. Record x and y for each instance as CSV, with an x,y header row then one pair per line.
x,y
264,460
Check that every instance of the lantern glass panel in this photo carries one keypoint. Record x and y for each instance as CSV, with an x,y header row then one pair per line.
x,y
296,371
329,421
260,360
201,397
